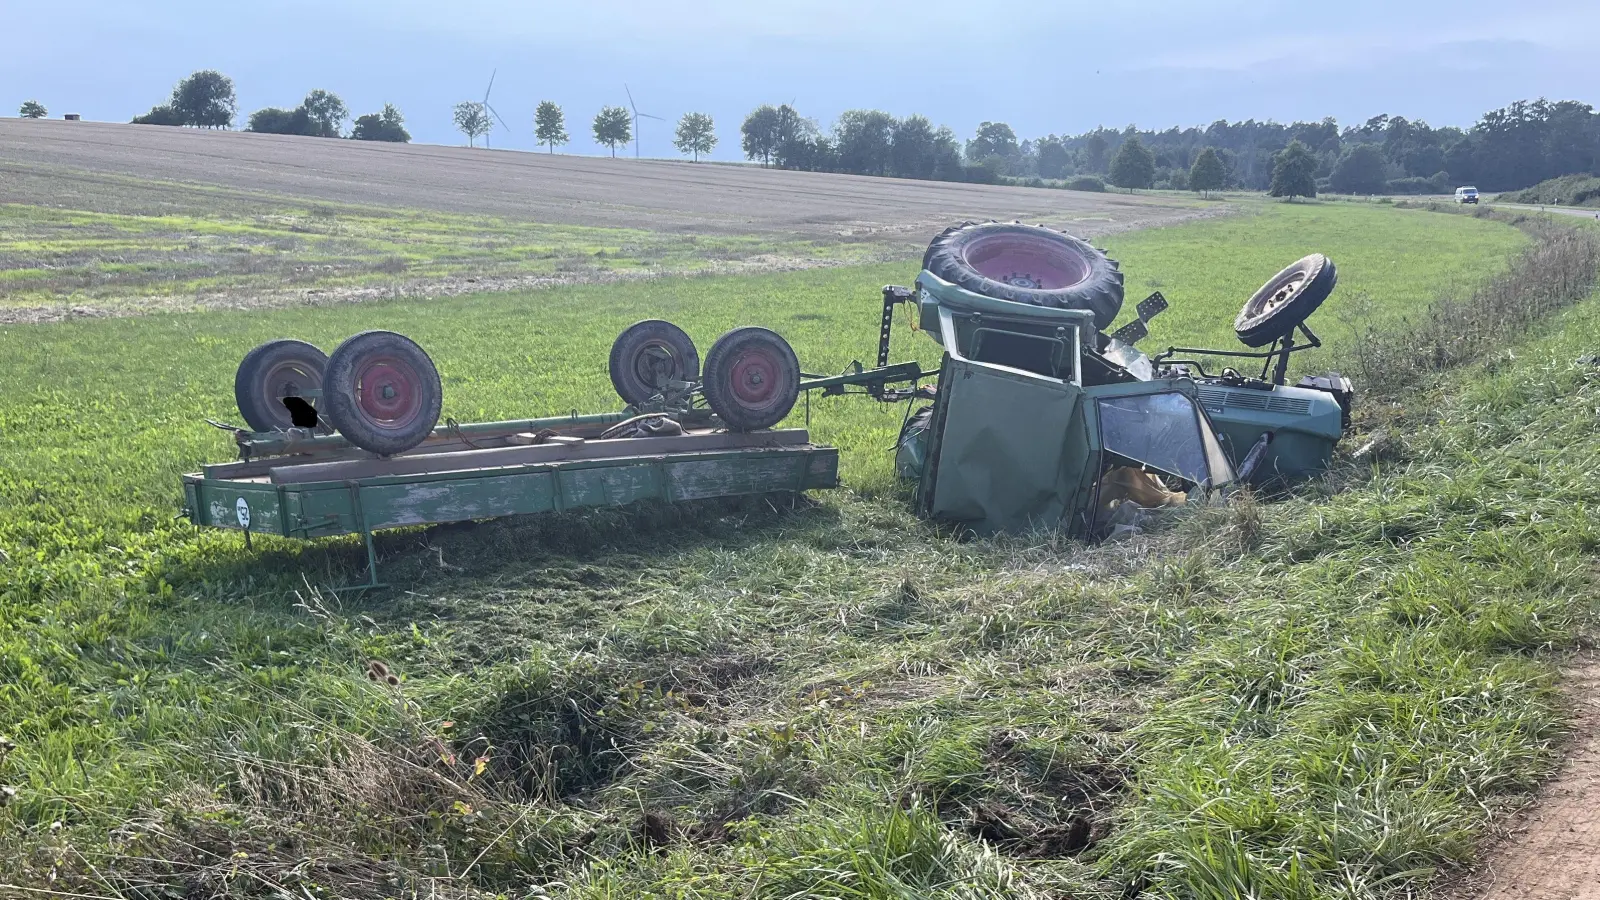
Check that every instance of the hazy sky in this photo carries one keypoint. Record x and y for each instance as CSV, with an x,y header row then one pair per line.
x,y
1041,65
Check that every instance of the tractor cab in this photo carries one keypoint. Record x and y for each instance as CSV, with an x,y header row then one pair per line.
x,y
1020,438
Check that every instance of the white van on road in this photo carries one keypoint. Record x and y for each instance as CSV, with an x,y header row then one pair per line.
x,y
1467,195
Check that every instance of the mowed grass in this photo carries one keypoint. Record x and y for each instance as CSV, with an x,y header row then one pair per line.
x,y
1307,699
1389,261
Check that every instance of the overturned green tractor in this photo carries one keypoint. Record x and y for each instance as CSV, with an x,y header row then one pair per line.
x,y
1041,418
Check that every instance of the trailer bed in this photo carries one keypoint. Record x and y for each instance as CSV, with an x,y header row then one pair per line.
x,y
307,497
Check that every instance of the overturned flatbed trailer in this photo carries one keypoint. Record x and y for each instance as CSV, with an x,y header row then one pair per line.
x,y
311,496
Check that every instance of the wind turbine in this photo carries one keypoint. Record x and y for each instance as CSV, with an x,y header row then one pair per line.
x,y
636,117
491,110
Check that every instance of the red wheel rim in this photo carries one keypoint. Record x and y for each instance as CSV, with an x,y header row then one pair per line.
x,y
1027,261
388,391
755,377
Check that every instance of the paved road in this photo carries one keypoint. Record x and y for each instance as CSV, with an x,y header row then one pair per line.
x,y
1581,212
98,165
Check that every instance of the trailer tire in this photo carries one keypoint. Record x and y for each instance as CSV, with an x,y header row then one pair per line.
x,y
1028,264
648,354
752,379
1286,300
382,392
271,372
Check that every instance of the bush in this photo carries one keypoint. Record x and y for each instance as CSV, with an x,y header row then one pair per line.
x,y
1573,190
1086,183
386,126
160,115
980,174
1411,185
274,120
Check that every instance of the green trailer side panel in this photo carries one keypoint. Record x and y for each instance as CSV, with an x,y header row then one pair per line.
x,y
238,505
421,503
720,478
330,508
608,485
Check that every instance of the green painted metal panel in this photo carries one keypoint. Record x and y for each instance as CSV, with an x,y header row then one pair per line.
x,y
238,505
329,508
722,478
423,503
1004,459
609,485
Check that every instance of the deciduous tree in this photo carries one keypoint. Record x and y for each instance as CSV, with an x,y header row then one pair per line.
x,y
1094,152
1207,173
613,128
471,120
862,138
696,134
325,113
33,109
913,148
994,139
550,125
1361,170
1053,157
761,133
1294,172
205,100
1134,166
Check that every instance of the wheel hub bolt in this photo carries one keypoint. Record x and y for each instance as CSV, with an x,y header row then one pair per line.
x,y
386,392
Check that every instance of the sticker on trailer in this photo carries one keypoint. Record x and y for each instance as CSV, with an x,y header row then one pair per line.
x,y
241,509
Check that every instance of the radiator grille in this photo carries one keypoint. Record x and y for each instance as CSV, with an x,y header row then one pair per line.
x,y
1219,399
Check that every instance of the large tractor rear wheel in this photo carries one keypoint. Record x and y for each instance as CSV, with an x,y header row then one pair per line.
x,y
1028,264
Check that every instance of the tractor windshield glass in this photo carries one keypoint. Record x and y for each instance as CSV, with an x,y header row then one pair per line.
x,y
1161,431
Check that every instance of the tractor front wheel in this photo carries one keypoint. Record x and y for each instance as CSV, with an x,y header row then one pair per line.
x,y
1287,300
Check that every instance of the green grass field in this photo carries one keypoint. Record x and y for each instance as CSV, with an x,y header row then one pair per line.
x,y
291,253
1310,698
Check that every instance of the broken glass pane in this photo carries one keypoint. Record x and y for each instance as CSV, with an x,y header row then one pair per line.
x,y
1160,430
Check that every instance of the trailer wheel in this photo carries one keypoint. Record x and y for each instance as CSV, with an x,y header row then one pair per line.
x,y
1028,264
752,378
382,392
647,355
269,374
1285,301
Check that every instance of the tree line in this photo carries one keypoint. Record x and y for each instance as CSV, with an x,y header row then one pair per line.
x,y
206,99
612,127
1510,148
1507,149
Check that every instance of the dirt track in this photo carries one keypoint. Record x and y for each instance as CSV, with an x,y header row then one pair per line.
x,y
67,163
1551,850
